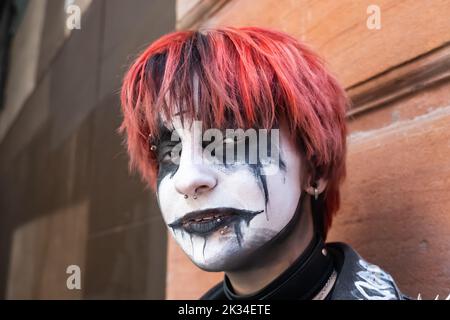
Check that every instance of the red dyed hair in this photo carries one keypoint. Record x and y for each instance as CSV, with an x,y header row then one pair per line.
x,y
247,77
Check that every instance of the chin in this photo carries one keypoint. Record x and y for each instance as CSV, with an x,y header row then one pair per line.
x,y
222,259
219,264
226,259
223,252
215,266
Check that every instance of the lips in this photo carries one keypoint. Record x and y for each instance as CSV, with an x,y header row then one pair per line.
x,y
204,222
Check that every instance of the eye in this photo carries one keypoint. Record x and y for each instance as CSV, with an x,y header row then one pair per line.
x,y
169,154
235,138
166,156
228,140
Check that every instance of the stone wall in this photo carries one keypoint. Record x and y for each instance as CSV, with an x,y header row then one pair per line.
x,y
395,199
66,197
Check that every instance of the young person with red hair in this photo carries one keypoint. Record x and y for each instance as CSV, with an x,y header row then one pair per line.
x,y
241,133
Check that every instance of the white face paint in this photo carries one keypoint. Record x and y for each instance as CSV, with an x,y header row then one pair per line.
x,y
239,220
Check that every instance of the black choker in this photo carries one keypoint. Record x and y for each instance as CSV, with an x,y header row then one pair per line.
x,y
301,281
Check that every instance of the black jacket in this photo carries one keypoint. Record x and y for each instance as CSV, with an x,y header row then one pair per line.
x,y
356,280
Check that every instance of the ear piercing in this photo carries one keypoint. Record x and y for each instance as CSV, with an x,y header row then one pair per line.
x,y
153,147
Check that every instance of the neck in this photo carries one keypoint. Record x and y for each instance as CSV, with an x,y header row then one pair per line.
x,y
276,259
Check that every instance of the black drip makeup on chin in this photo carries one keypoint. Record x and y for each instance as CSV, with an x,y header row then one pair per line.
x,y
206,223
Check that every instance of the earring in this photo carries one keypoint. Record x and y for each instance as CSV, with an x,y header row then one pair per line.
x,y
316,194
153,147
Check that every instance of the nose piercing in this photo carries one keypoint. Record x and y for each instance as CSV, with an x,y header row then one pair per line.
x,y
316,193
194,196
185,196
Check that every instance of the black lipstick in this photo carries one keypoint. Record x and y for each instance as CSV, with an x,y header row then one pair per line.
x,y
204,222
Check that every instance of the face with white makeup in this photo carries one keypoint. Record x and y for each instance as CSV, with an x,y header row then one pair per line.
x,y
222,214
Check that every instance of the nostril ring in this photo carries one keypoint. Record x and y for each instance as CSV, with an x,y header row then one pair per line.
x,y
185,196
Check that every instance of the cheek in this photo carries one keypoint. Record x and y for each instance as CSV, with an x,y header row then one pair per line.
x,y
166,171
167,199
241,188
284,191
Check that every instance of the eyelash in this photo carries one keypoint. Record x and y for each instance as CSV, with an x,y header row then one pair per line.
x,y
168,153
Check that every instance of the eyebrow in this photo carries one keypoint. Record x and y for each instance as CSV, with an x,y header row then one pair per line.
x,y
179,112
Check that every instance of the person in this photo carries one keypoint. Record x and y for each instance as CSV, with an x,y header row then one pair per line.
x,y
241,133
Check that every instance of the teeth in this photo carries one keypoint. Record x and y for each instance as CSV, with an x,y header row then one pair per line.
x,y
207,219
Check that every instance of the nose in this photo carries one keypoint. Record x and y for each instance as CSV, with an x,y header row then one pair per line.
x,y
194,178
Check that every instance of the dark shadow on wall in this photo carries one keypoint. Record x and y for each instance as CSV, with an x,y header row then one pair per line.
x,y
66,196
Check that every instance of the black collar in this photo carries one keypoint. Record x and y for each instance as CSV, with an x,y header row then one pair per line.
x,y
302,280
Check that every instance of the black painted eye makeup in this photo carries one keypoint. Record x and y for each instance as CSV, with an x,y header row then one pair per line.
x,y
168,140
168,152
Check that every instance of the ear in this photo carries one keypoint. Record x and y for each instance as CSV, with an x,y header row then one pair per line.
x,y
320,185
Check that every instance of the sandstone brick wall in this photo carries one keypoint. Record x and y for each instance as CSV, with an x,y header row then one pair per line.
x,y
396,200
